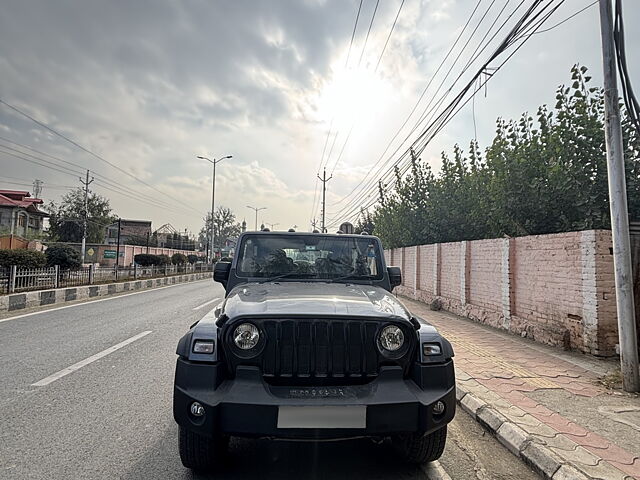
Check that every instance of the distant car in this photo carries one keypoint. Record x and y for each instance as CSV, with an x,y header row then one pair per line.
x,y
310,344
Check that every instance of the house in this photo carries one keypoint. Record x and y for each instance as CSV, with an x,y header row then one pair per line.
x,y
131,232
20,215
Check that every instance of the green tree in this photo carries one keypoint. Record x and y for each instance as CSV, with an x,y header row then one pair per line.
x,y
539,175
226,227
65,222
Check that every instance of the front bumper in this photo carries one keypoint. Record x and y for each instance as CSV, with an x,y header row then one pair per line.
x,y
247,406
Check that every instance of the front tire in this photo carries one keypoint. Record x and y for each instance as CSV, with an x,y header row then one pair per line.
x,y
198,452
418,449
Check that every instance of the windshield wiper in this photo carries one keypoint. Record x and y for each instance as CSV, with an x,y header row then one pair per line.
x,y
282,275
351,274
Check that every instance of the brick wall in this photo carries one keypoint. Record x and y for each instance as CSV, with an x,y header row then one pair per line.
x,y
556,289
486,275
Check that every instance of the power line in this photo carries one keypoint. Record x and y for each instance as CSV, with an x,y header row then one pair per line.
x,y
86,150
102,181
364,47
384,48
521,32
569,17
326,141
424,91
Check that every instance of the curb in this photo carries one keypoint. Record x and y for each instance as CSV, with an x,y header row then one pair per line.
x,y
16,302
435,471
544,461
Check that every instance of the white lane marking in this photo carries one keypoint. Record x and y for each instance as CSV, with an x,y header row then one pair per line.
x,y
205,304
83,363
99,300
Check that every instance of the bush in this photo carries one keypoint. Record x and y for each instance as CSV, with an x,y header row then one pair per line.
x,y
193,258
178,259
64,255
22,258
163,260
146,259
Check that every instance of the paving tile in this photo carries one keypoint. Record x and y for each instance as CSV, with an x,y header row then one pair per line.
x,y
633,469
557,441
597,442
580,456
541,430
603,471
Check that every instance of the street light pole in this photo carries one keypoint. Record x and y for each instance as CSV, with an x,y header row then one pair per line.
x,y
256,209
214,162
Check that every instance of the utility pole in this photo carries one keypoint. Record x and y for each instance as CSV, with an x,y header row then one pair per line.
x,y
314,224
37,188
324,181
118,247
86,184
273,225
618,203
256,209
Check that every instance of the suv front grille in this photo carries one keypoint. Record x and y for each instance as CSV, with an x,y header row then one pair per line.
x,y
320,349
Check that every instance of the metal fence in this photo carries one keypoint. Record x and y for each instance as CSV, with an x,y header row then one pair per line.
x,y
14,279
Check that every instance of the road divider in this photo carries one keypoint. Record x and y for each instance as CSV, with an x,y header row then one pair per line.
x,y
206,303
20,301
83,363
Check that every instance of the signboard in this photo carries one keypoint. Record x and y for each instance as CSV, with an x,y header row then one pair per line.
x,y
110,254
91,252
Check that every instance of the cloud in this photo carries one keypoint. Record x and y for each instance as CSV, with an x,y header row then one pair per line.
x,y
149,85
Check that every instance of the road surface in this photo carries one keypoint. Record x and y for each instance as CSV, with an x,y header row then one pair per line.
x,y
85,392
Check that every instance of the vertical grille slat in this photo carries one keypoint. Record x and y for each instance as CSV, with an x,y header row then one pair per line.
x,y
287,339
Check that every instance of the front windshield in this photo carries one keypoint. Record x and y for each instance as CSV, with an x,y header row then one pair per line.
x,y
310,256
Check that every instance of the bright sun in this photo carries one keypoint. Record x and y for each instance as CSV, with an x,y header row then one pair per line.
x,y
350,96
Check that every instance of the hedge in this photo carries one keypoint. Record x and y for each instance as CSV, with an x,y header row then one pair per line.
x,y
22,258
64,255
178,259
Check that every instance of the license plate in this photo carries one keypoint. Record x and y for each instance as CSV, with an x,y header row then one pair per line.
x,y
322,417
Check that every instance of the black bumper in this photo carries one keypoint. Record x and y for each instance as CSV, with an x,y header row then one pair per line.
x,y
247,406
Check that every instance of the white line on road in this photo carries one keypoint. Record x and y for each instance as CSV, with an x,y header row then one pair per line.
x,y
205,304
96,301
82,363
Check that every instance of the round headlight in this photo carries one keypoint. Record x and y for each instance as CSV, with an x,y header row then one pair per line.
x,y
391,338
246,336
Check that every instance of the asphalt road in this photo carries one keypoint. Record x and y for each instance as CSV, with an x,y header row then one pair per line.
x,y
85,392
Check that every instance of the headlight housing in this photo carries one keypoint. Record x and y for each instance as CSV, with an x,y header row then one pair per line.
x,y
391,339
246,336
204,346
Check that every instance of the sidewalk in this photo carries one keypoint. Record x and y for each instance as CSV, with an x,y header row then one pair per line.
x,y
550,407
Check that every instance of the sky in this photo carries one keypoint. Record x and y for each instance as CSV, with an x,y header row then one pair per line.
x,y
145,87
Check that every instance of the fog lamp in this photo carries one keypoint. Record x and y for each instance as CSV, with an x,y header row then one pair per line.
x,y
438,408
197,410
246,336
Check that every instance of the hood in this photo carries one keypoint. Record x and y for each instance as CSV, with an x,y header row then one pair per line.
x,y
312,298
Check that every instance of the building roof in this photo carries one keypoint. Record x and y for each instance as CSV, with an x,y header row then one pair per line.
x,y
19,198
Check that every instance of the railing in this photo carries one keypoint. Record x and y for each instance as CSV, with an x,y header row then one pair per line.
x,y
14,279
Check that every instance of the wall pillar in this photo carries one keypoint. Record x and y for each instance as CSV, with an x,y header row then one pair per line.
x,y
402,269
464,268
589,291
506,283
436,270
416,273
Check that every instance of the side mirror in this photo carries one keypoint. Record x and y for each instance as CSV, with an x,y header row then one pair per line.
x,y
395,276
221,272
